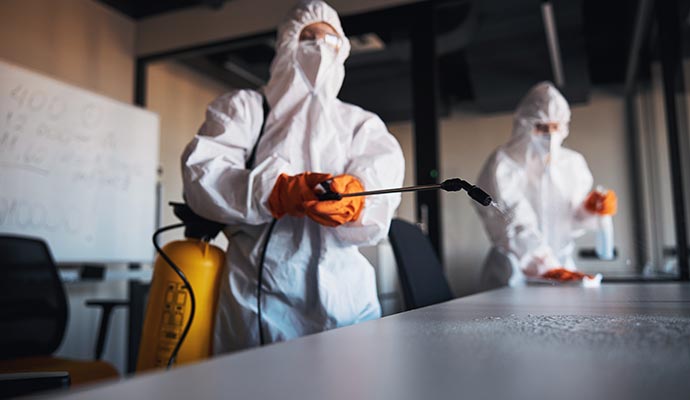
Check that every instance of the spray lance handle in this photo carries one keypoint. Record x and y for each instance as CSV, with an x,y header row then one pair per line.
x,y
449,185
328,193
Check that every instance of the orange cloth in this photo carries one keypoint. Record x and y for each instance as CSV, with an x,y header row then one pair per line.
x,y
602,203
290,192
563,275
337,212
80,371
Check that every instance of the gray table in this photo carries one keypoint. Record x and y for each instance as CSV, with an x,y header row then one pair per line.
x,y
619,341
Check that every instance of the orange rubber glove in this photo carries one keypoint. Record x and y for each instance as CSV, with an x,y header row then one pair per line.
x,y
291,192
602,203
337,212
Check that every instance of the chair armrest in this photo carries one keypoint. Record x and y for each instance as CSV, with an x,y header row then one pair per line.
x,y
107,306
22,383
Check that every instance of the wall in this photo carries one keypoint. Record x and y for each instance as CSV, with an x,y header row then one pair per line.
x,y
85,44
179,96
466,140
76,41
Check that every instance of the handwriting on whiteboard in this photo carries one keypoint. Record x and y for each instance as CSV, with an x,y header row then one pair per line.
x,y
85,152
76,168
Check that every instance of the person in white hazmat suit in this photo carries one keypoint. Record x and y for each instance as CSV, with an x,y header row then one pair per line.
x,y
314,277
541,190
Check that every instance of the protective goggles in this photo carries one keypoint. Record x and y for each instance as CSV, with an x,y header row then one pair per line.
x,y
322,36
333,40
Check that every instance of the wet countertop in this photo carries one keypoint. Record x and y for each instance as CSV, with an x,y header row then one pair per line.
x,y
618,341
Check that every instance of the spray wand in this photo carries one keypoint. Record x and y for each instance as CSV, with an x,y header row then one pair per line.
x,y
449,185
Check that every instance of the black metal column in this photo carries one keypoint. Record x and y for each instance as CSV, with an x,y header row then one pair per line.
x,y
671,64
425,112
635,165
140,78
639,35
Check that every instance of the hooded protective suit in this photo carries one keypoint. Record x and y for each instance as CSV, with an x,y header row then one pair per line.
x,y
540,188
314,276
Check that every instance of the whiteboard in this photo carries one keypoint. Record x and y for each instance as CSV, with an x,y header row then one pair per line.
x,y
77,169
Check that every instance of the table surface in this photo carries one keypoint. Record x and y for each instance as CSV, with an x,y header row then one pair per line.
x,y
618,341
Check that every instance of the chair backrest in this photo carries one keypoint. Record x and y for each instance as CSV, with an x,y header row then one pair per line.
x,y
419,269
33,306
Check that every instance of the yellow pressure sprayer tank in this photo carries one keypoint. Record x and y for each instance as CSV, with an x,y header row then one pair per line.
x,y
171,304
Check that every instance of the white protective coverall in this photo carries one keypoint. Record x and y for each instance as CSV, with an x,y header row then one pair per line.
x,y
314,277
540,188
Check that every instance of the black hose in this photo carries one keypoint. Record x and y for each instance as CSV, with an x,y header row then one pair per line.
x,y
182,276
260,279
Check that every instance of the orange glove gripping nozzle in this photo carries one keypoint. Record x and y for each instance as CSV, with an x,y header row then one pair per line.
x,y
291,192
338,212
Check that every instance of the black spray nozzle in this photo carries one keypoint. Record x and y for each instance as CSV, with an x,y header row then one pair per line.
x,y
480,196
477,194
196,226
328,193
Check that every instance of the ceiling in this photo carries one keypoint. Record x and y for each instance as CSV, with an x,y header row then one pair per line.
x,y
147,8
489,52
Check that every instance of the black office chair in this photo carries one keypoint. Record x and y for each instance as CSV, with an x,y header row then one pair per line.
x,y
421,274
33,317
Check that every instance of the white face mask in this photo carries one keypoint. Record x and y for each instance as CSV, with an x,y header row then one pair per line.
x,y
317,60
548,143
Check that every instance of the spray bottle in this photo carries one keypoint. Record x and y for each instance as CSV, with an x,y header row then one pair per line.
x,y
183,298
604,234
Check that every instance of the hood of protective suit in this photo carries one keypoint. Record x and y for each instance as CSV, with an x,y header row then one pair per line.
x,y
292,81
305,123
542,104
